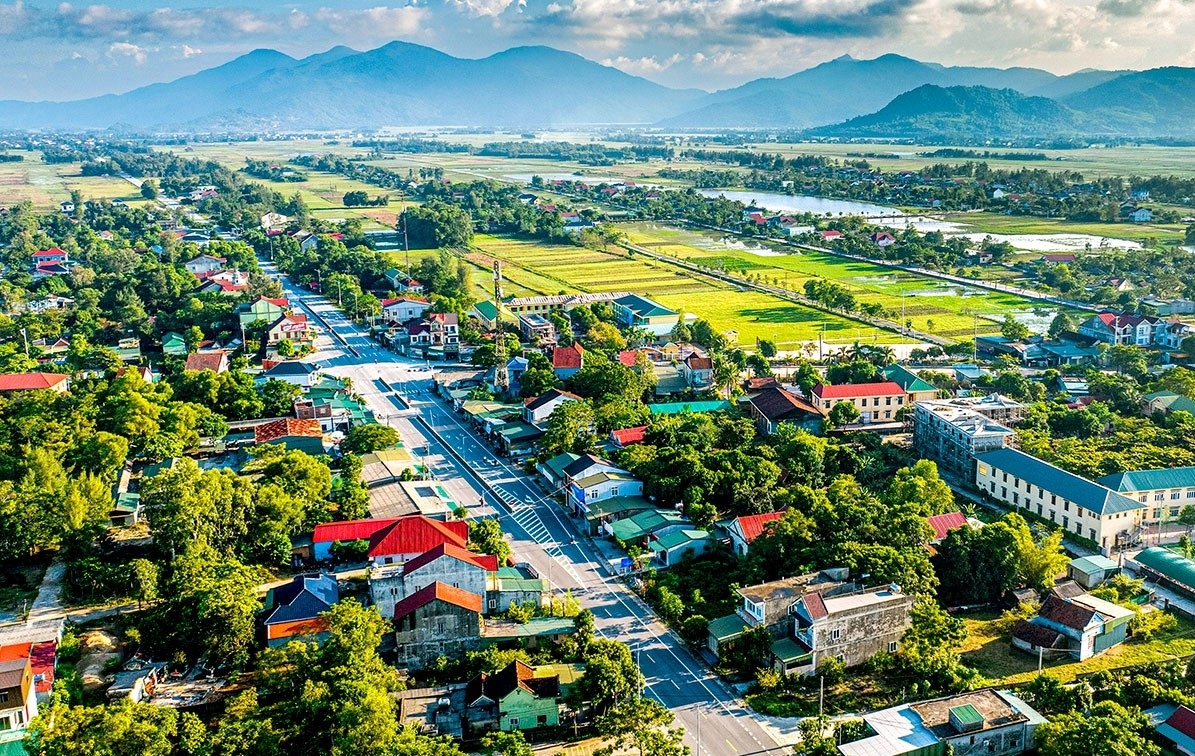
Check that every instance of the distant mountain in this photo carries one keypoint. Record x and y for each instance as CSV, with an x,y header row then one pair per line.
x,y
1159,102
843,88
399,84
962,115
1064,86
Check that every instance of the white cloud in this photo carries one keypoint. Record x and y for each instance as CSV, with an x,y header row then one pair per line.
x,y
644,65
127,49
189,51
380,22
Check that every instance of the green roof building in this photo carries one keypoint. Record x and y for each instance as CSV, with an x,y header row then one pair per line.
x,y
675,408
914,385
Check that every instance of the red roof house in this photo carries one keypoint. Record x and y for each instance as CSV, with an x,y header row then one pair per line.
x,y
33,382
628,357
487,562
568,360
216,361
329,533
287,426
744,530
629,436
944,523
437,591
409,537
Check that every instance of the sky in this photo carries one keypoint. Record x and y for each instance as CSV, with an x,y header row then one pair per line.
x,y
61,51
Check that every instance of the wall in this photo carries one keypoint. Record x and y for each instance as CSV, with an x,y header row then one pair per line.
x,y
439,629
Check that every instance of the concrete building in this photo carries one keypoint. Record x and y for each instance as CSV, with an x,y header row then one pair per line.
x,y
397,311
1124,329
1079,506
917,389
1162,493
1090,571
877,402
559,302
447,563
537,328
952,436
992,406
18,694
851,628
538,409
292,611
635,311
517,697
438,620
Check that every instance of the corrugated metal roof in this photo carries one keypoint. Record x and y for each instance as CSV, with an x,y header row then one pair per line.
x,y
1088,495
1150,480
1169,564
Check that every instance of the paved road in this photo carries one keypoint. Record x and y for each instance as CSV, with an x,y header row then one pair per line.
x,y
540,532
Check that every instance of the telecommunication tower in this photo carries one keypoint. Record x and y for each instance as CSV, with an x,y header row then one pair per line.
x,y
501,376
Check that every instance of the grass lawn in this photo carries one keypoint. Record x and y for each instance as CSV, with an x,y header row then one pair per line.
x,y
989,650
550,268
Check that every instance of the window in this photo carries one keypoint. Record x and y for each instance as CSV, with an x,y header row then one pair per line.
x,y
1066,522
1016,498
1175,495
1053,499
1174,511
892,647
1052,515
440,626
493,603
888,402
1005,477
835,634
614,491
541,720
1091,533
1159,497
514,723
1004,492
1039,508
1191,494
842,658
5,724
1066,506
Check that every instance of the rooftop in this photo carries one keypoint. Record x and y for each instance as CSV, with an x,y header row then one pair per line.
x,y
1150,480
851,390
1090,496
753,526
908,380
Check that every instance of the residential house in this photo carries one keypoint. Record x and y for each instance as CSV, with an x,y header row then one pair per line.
x,y
66,207
293,611
440,329
624,437
672,548
485,313
591,479
335,411
54,256
952,436
744,530
942,524
302,374
698,371
773,405
215,361
537,328
567,361
408,537
642,527
515,585
537,410
202,266
18,692
448,563
394,276
293,434
1079,506
877,402
851,628
126,510
882,239
1141,215
515,367
12,382
437,620
403,310
1083,626
1090,571
1167,402
1179,729
552,470
994,722
50,302
1172,334
1168,307
230,283
517,697
407,285
264,309
328,534
174,344
1162,492
1124,329
635,311
129,349
917,389
295,327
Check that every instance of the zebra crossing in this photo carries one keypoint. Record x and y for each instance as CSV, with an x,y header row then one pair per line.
x,y
524,514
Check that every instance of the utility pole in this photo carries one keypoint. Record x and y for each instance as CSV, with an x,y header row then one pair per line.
x,y
821,695
405,244
501,376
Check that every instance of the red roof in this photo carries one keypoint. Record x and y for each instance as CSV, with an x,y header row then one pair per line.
x,y
831,234
282,302
30,381
629,436
944,523
1058,258
628,357
851,390
753,525
1183,720
698,362
437,591
416,534
14,652
200,361
52,252
567,357
42,657
287,426
487,562
815,606
349,530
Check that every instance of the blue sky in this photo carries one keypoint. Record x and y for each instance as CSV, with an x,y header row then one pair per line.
x,y
61,50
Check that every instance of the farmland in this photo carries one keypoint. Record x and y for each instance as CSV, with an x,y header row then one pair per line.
x,y
47,184
543,268
942,308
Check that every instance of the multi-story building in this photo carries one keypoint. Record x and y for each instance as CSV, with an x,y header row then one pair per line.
x,y
399,310
633,310
993,406
447,563
1163,493
18,694
557,302
1078,505
536,327
437,620
851,628
877,402
952,436
1123,329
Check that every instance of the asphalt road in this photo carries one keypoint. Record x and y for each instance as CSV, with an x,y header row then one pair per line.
x,y
540,533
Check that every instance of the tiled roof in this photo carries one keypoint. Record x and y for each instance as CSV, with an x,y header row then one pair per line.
x,y
42,657
292,367
776,404
1183,720
30,381
851,390
567,357
752,526
349,530
200,361
815,606
416,534
1066,613
628,357
287,426
1090,496
1150,480
303,598
944,523
629,436
699,362
437,591
487,562
517,674
1037,635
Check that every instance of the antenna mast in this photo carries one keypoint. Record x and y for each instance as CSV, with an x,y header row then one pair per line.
x,y
405,244
501,376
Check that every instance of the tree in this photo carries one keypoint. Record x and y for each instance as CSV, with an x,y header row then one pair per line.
x,y
1062,323
605,337
1013,330
211,605
278,397
642,724
611,675
149,189
920,488
843,413
929,648
570,428
505,744
485,537
120,729
535,381
145,580
1186,516
371,437
976,566
1039,561
767,349
1106,729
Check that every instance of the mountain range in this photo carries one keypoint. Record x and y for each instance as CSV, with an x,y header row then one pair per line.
x,y
404,84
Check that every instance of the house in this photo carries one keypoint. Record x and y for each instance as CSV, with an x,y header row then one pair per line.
x,y
264,309
273,221
215,361
537,328
1123,329
407,285
11,382
1079,506
345,531
552,470
537,410
517,697
917,389
942,524
293,434
1090,571
553,302
448,563
174,344
642,527
408,537
295,327
518,585
136,682
744,530
54,256
882,239
18,692
1083,626
129,349
624,437
567,361
1172,334
302,374
334,412
1179,729
591,479
851,628
673,548
1057,259
50,302
126,510
774,405
1162,492
830,235
485,313
202,266
1167,402
230,283
698,371
1141,215
66,207
515,367
634,311
952,435
292,611
985,721
440,329
876,402
401,310
437,620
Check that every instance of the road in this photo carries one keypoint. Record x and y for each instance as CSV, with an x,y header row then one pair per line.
x,y
539,530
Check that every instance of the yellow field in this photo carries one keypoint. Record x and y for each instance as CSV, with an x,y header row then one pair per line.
x,y
47,184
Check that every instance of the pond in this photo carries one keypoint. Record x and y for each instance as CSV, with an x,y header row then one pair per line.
x,y
796,203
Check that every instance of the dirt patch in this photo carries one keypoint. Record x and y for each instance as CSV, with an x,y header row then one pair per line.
x,y
100,651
